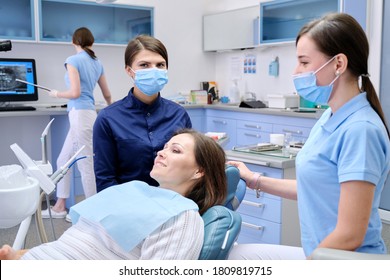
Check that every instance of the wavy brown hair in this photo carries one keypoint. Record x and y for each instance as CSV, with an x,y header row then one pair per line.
x,y
211,188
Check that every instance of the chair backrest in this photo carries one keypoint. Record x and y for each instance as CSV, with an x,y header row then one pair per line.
x,y
221,224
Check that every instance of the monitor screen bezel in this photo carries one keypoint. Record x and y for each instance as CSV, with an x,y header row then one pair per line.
x,y
21,97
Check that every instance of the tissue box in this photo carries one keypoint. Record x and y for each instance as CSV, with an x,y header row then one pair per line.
x,y
283,101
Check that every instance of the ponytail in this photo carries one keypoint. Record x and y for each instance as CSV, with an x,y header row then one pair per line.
x,y
90,52
373,99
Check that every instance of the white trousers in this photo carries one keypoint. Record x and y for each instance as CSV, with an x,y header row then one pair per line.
x,y
266,252
79,134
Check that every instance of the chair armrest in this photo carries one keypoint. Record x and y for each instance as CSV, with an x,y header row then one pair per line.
x,y
335,254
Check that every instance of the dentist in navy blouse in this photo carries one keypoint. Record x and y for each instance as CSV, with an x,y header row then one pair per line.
x,y
128,134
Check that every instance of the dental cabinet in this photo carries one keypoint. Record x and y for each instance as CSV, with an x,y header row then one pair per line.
x,y
55,20
281,20
271,22
268,218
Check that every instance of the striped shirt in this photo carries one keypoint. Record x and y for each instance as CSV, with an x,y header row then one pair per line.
x,y
179,238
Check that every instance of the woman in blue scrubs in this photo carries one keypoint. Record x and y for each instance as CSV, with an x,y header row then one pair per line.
x,y
342,168
128,134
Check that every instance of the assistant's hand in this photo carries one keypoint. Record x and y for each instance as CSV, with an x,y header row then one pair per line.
x,y
53,93
245,173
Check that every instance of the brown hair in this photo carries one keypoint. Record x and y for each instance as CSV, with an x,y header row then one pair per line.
x,y
144,42
211,188
84,38
340,33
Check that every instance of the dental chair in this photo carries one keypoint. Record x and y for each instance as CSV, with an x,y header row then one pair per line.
x,y
221,223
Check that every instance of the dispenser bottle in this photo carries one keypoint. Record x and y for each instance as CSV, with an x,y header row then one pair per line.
x,y
234,93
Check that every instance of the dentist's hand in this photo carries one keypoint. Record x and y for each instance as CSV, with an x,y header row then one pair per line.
x,y
53,93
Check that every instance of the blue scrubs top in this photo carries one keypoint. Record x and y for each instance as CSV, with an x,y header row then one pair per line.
x,y
351,144
90,70
127,136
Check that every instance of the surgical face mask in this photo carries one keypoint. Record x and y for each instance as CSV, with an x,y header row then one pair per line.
x,y
306,86
150,81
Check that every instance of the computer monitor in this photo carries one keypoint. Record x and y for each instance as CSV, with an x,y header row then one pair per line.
x,y
17,68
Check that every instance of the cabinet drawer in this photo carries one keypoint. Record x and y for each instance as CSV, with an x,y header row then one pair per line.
x,y
259,231
249,137
298,132
263,208
257,126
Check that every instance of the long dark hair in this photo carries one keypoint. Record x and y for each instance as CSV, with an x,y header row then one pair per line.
x,y
340,33
211,188
144,42
84,38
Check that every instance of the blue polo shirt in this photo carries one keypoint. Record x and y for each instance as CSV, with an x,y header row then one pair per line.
x,y
127,136
351,144
90,70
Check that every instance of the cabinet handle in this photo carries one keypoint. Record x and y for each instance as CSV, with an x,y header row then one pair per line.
x,y
252,226
293,131
220,122
252,126
254,204
252,135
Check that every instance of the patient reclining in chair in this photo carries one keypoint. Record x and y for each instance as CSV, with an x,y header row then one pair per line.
x,y
137,221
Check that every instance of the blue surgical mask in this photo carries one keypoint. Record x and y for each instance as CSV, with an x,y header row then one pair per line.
x,y
151,80
306,86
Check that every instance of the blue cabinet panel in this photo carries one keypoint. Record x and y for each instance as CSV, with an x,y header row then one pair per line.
x,y
110,24
17,20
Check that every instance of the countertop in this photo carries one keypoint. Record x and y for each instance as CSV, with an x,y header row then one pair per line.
x,y
269,161
266,111
43,109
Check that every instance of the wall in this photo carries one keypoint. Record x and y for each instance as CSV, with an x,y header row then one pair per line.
x,y
178,24
263,84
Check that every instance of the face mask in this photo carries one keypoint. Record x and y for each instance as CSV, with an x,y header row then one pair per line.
x,y
150,81
306,86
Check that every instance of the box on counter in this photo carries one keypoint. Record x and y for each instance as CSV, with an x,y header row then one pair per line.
x,y
283,101
198,97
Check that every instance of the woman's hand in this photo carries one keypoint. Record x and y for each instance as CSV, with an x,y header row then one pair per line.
x,y
7,253
245,173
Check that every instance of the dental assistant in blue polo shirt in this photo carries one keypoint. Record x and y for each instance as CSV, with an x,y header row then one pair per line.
x,y
128,134
344,163
83,72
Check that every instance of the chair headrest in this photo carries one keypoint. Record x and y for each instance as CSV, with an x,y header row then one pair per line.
x,y
236,187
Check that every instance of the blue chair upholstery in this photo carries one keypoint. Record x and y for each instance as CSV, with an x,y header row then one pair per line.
x,y
221,224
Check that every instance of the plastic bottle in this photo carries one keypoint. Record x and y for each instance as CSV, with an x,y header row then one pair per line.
x,y
287,140
234,93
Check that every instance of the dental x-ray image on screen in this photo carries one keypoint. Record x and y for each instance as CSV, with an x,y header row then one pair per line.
x,y
16,68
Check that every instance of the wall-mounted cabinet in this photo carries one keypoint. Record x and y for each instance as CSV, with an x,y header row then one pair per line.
x,y
110,24
57,20
17,20
234,29
280,21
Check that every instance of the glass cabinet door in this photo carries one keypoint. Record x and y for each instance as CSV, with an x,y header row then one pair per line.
x,y
17,19
110,24
281,20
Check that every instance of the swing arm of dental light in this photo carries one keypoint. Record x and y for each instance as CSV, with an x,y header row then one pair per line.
x,y
32,169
